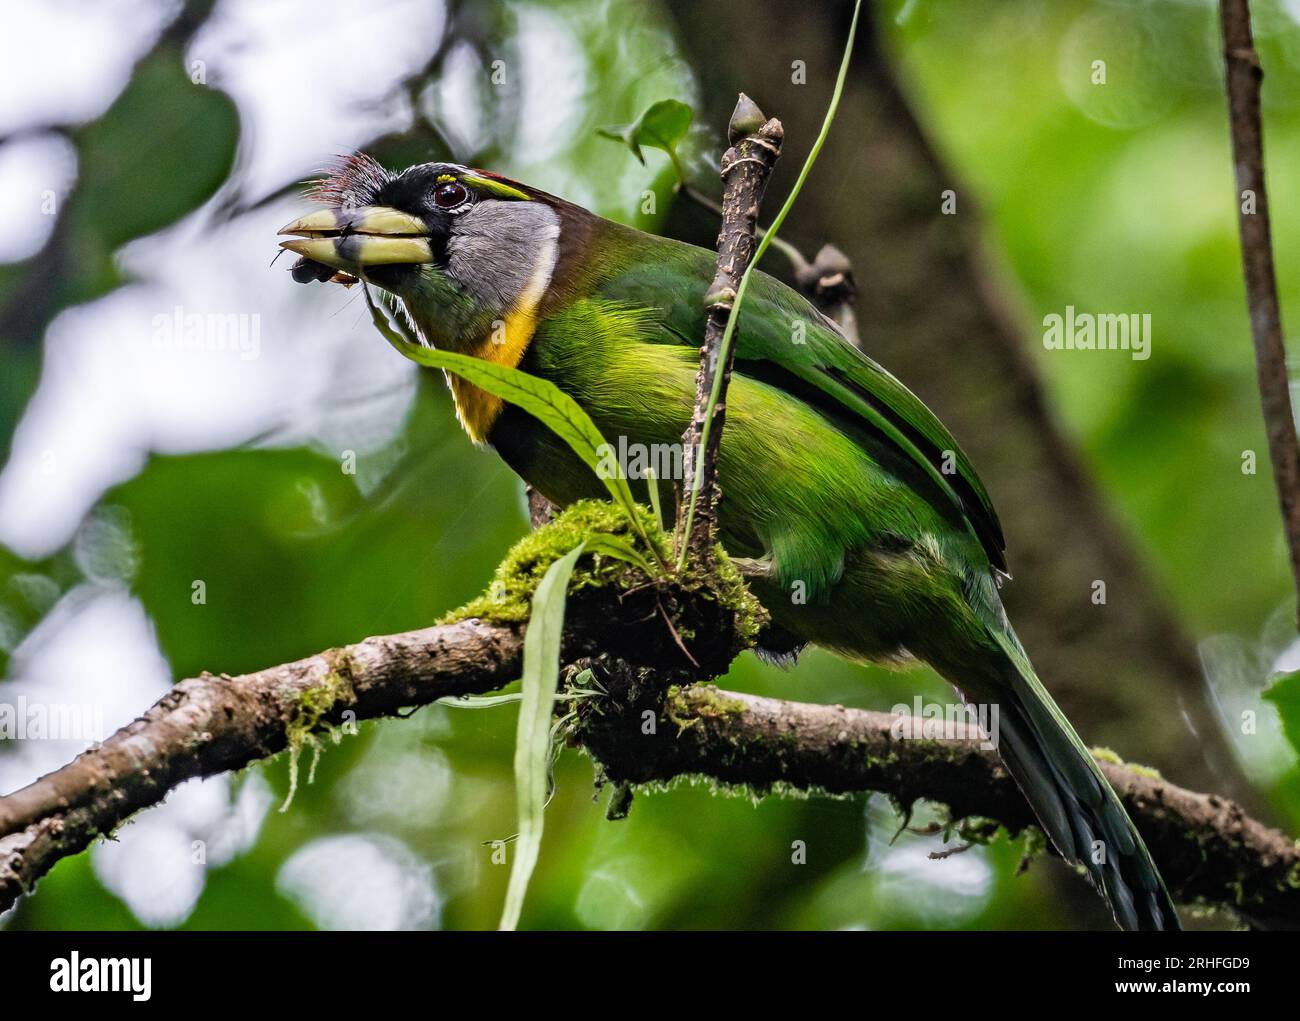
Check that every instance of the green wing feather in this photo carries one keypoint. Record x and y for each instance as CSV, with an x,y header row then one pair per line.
x,y
783,340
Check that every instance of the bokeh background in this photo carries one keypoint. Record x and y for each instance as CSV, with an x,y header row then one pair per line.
x,y
149,151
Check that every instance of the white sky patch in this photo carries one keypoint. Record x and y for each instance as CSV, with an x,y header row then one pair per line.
x,y
456,100
118,382
158,862
905,882
1238,670
394,787
361,882
149,867
121,378
942,894
65,61
36,173
311,82
96,646
555,81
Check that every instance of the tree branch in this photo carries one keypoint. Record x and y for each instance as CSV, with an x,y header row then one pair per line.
x,y
214,723
746,167
1207,848
1244,75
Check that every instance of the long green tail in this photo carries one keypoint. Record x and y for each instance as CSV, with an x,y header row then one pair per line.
x,y
1072,799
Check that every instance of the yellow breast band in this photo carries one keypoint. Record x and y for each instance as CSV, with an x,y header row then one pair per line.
x,y
505,344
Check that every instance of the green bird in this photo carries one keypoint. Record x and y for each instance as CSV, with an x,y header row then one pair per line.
x,y
838,482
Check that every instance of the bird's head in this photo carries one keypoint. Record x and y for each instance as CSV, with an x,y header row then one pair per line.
x,y
461,248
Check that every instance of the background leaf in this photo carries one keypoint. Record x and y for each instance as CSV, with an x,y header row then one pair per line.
x,y
1285,694
661,126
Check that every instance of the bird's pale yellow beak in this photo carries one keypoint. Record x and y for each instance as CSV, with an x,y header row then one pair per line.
x,y
352,239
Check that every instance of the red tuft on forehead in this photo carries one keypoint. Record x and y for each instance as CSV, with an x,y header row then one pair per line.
x,y
350,181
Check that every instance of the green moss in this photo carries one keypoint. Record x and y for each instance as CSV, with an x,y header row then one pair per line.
x,y
313,705
1106,755
734,594
508,599
976,829
1034,845
687,706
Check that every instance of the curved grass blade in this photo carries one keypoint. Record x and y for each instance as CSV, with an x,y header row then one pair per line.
x,y
620,549
652,484
533,740
539,397
479,701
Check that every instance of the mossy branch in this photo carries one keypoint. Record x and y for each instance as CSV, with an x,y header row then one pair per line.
x,y
634,638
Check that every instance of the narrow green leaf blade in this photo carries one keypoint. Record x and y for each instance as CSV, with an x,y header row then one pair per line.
x,y
539,397
533,741
620,549
652,485
479,701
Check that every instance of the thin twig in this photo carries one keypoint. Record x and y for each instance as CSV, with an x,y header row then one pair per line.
x,y
701,545
1244,74
746,167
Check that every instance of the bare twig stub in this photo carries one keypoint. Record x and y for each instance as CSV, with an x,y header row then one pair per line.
x,y
746,167
1208,849
826,281
540,509
1244,75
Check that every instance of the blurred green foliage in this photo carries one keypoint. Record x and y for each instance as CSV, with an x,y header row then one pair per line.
x,y
1115,199
1118,197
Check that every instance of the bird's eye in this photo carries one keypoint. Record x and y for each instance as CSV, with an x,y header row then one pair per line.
x,y
450,195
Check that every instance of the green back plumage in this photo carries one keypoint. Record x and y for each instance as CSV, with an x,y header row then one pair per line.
x,y
782,339
611,357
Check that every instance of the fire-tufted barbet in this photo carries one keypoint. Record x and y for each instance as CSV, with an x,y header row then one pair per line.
x,y
836,478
